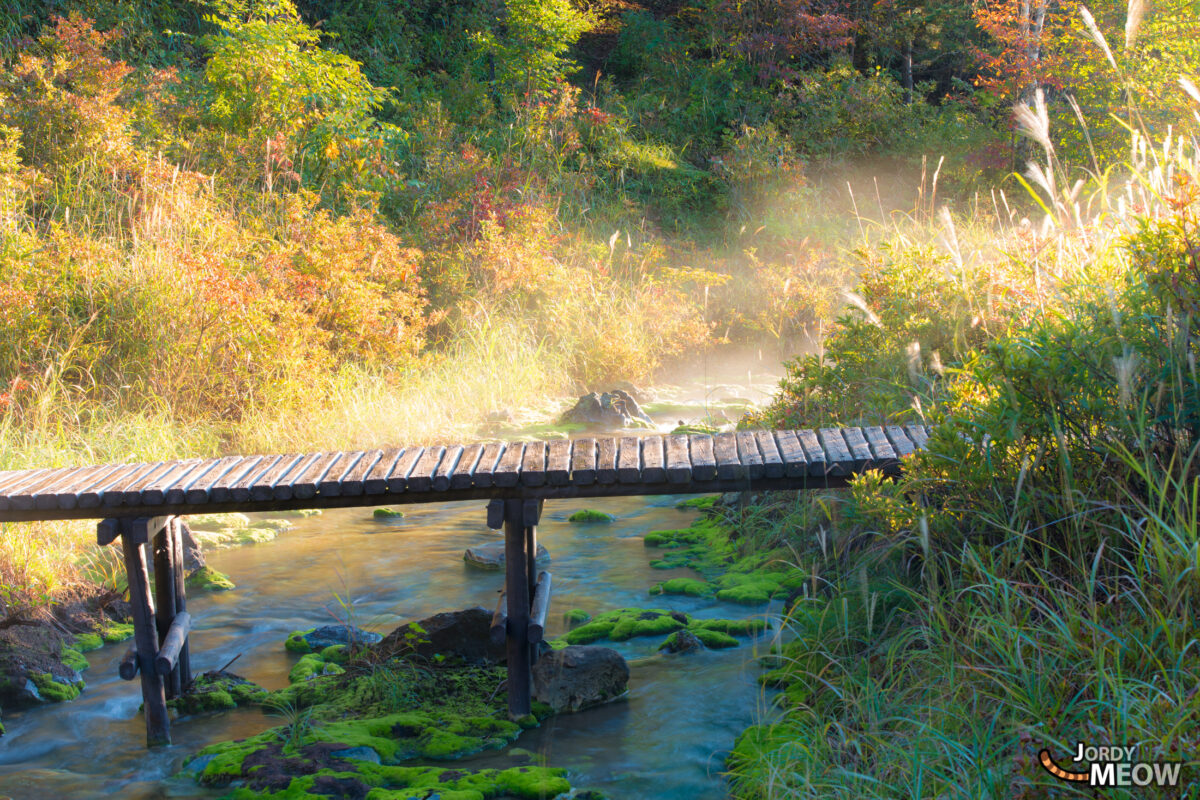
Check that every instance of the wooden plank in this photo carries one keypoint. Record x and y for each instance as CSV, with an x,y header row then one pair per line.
x,y
178,493
262,487
26,497
154,492
484,473
223,489
837,455
729,464
201,489
240,492
358,480
654,460
68,497
883,454
374,476
306,482
679,466
747,446
421,477
284,486
583,461
92,496
772,461
860,451
331,484
168,654
817,463
919,434
130,489
900,441
12,477
629,460
533,465
508,469
704,460
558,462
28,478
464,473
791,452
606,460
397,479
441,476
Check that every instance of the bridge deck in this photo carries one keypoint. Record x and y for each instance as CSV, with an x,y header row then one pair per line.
x,y
584,467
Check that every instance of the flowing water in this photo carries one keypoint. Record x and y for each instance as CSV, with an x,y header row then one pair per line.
x,y
667,739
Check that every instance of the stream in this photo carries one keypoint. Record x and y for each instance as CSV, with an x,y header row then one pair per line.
x,y
667,739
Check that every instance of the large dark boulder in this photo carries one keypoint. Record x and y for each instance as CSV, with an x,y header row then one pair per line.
x,y
579,676
466,634
615,409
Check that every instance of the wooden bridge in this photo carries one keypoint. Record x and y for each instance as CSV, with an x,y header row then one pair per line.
x,y
142,504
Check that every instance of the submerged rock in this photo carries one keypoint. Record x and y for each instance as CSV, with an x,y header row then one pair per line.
x,y
207,579
217,691
579,676
615,409
491,555
682,642
591,515
465,634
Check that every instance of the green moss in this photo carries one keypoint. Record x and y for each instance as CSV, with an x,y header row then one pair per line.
x,y
703,502
207,579
686,586
86,642
217,692
591,515
674,538
576,616
387,513
117,632
277,525
312,666
73,659
622,624
217,521
715,640
335,654
53,691
736,627
300,513
754,588
296,642
695,428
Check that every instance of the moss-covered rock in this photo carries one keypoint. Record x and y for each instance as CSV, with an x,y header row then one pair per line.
x,y
86,642
73,659
715,640
626,623
116,632
296,643
217,521
695,428
312,665
272,524
299,513
702,502
387,513
591,515
576,616
54,690
685,586
207,579
218,691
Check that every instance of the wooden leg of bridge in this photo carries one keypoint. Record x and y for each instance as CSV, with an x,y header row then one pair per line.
x,y
134,534
184,669
164,597
516,585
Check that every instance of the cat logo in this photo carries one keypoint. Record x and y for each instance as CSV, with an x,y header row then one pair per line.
x,y
1113,766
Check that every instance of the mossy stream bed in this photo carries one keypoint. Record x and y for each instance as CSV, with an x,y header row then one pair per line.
x,y
666,739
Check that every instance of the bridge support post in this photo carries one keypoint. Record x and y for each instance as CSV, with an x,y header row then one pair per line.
x,y
151,629
520,547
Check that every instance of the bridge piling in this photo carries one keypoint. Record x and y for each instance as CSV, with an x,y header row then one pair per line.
x,y
517,536
134,534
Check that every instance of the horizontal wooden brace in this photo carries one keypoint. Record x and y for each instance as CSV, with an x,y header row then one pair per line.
x,y
540,606
168,654
138,530
128,668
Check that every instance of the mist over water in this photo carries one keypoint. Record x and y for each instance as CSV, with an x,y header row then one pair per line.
x,y
666,739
